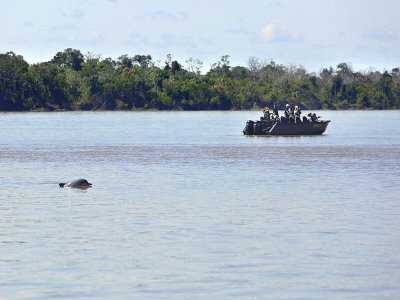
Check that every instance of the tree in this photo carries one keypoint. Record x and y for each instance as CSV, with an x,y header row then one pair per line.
x,y
143,60
175,66
69,58
255,67
49,86
13,81
124,61
73,81
194,65
345,71
222,67
168,62
385,86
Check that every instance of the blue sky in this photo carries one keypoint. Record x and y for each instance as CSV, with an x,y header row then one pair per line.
x,y
311,33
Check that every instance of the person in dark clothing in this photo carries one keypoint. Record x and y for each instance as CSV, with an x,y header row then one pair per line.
x,y
313,117
291,113
287,114
275,113
297,113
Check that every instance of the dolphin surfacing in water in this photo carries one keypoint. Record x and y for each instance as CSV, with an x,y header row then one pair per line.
x,y
77,184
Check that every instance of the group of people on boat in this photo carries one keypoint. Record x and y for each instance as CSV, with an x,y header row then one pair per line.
x,y
292,115
271,116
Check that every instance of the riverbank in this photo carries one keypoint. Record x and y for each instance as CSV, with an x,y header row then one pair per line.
x,y
71,81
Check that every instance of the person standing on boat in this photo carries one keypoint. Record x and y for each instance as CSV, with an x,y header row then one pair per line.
x,y
266,114
297,113
291,113
287,114
275,113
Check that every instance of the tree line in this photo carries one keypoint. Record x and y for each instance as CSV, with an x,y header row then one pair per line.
x,y
73,81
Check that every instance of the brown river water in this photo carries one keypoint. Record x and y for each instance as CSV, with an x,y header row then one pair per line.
x,y
183,205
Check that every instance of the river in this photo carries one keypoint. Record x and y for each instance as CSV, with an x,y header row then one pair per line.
x,y
185,206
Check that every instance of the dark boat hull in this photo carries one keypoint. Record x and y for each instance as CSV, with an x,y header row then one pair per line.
x,y
264,128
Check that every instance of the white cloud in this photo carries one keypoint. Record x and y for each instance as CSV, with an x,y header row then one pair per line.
x,y
274,32
268,32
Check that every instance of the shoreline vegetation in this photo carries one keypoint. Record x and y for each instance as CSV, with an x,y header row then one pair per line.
x,y
73,81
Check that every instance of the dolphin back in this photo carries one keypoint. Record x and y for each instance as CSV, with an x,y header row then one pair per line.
x,y
78,183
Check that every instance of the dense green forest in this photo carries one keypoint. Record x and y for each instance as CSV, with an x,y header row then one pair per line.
x,y
73,81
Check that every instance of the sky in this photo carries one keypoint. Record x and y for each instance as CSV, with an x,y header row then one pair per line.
x,y
313,33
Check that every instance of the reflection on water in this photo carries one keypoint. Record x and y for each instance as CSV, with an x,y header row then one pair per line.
x,y
183,205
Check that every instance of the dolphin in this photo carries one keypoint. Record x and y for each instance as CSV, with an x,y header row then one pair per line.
x,y
77,183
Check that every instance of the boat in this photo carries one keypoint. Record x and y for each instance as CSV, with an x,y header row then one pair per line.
x,y
283,127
